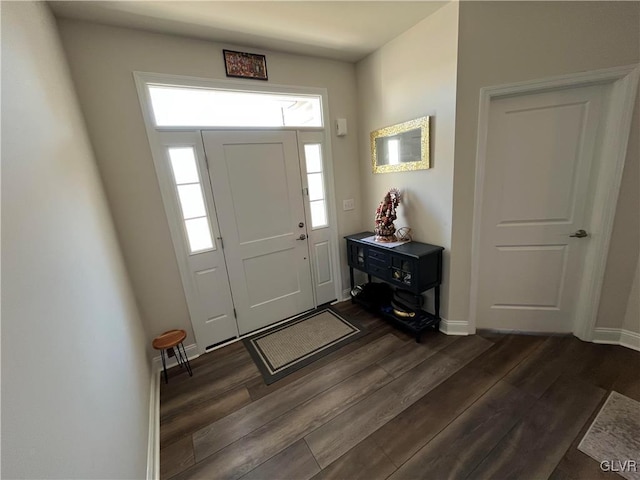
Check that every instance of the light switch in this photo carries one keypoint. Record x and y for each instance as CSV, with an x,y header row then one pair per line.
x,y
341,127
348,204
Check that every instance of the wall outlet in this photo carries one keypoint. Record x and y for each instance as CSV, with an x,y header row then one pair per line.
x,y
348,204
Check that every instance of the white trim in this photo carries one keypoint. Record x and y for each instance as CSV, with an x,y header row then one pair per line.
x,y
346,294
512,331
153,447
614,150
630,339
192,352
609,336
454,327
617,336
231,85
624,82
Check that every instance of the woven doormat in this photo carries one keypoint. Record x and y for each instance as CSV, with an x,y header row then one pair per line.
x,y
289,347
614,439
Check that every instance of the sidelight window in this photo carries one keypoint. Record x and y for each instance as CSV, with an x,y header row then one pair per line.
x,y
315,182
191,199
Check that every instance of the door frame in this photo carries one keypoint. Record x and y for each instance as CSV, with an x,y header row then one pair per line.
x,y
618,111
156,136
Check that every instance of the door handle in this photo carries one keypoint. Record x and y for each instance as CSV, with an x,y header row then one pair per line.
x,y
579,234
302,237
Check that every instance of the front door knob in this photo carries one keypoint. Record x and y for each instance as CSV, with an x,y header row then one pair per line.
x,y
302,237
579,234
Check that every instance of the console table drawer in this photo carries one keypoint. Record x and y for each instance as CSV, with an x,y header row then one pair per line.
x,y
379,256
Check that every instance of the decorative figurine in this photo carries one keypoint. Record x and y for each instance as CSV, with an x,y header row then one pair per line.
x,y
385,215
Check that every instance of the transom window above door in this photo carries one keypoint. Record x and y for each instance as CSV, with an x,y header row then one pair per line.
x,y
180,106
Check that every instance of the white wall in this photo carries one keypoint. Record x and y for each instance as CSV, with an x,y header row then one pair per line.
x,y
505,42
75,378
412,76
102,60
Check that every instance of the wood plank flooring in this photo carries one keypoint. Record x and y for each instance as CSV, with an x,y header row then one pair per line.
x,y
483,406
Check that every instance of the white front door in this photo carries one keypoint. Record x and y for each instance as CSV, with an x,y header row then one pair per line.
x,y
257,188
536,193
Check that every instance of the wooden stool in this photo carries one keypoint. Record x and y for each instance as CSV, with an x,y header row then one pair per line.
x,y
169,340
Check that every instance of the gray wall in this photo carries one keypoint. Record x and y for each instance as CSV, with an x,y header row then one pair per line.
x,y
102,60
412,76
622,263
75,377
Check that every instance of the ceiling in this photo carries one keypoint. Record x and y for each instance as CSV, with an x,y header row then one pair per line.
x,y
342,30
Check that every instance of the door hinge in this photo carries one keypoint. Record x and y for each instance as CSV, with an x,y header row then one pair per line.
x,y
234,313
305,191
206,160
221,242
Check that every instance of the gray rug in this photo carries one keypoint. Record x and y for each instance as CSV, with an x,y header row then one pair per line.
x,y
293,345
614,436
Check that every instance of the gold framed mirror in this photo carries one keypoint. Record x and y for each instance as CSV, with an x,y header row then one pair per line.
x,y
402,147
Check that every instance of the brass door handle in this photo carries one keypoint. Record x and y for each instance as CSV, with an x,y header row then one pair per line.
x,y
302,237
579,234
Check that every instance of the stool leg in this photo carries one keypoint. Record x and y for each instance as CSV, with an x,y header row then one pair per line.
x,y
186,359
164,367
178,357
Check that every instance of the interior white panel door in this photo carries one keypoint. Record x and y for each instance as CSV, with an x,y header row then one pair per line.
x,y
258,194
539,159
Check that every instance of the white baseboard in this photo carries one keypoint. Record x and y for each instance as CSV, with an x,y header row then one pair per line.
x,y
630,339
617,336
192,352
609,336
346,294
153,448
454,327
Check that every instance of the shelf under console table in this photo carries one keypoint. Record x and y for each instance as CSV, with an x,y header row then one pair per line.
x,y
413,266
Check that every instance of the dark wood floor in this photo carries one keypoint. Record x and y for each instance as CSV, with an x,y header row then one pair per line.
x,y
483,406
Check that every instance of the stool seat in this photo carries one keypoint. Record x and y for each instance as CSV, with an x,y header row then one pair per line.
x,y
169,339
